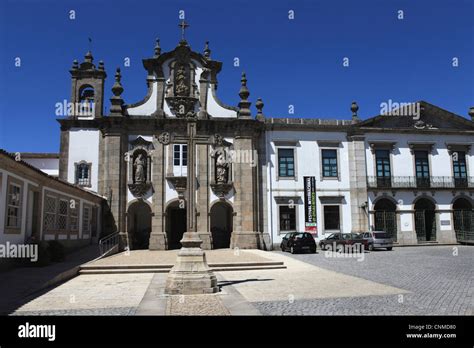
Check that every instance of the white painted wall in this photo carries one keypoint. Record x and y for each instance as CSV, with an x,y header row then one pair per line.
x,y
402,159
84,146
307,163
149,107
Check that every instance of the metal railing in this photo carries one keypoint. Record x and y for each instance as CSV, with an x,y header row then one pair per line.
x,y
415,182
107,243
465,236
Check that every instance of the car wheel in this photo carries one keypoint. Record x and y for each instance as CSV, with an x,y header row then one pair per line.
x,y
292,250
282,247
389,248
327,247
371,247
340,248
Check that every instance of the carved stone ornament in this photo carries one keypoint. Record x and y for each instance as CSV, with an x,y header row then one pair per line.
x,y
182,106
164,138
179,183
139,190
221,189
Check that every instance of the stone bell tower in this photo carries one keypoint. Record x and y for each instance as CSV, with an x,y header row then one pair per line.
x,y
87,88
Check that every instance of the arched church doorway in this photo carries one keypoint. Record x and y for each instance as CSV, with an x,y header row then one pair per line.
x,y
425,220
175,224
139,225
221,225
386,217
463,217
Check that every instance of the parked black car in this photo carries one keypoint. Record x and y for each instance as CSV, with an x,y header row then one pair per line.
x,y
298,242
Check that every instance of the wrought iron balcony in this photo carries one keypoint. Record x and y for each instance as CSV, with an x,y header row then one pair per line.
x,y
397,182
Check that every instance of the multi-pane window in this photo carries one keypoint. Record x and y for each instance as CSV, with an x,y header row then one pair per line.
x,y
86,219
331,217
73,212
180,159
49,213
422,169
459,164
460,168
286,163
13,209
62,214
382,162
329,161
287,218
83,174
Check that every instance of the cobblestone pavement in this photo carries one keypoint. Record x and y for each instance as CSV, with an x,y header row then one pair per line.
x,y
440,281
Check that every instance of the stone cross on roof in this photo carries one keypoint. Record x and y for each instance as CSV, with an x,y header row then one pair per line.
x,y
183,25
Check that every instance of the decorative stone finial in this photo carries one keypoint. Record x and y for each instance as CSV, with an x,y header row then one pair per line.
x,y
244,93
259,105
101,65
207,51
88,57
157,48
117,101
75,64
354,109
471,113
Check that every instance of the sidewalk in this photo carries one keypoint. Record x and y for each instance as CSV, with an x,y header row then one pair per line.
x,y
22,284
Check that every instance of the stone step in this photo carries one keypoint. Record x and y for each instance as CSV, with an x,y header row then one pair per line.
x,y
166,270
169,266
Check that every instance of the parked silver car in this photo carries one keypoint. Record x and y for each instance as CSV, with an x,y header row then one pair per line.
x,y
378,239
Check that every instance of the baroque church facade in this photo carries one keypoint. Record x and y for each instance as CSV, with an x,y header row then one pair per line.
x,y
180,159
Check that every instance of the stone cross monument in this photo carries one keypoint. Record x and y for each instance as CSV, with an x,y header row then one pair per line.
x,y
191,275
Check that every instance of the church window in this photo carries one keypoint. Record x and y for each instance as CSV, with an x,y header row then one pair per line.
x,y
62,214
83,171
49,213
180,159
73,221
13,209
86,219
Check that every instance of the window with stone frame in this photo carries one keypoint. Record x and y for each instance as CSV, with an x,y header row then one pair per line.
x,y
287,216
13,207
332,218
49,213
286,163
83,174
62,214
73,215
86,219
329,163
180,159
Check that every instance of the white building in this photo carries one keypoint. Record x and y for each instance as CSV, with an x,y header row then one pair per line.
x,y
410,177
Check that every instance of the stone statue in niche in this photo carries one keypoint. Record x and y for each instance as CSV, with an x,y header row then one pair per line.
x,y
140,169
180,81
222,168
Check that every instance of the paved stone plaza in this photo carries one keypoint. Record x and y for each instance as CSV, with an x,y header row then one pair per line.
x,y
432,280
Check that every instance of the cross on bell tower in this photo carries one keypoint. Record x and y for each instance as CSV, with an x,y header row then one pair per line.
x,y
183,25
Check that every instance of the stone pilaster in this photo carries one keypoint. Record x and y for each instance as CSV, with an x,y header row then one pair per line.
x,y
245,234
358,182
158,240
202,195
115,146
64,154
262,196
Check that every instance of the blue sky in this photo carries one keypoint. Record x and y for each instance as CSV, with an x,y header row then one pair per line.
x,y
288,62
